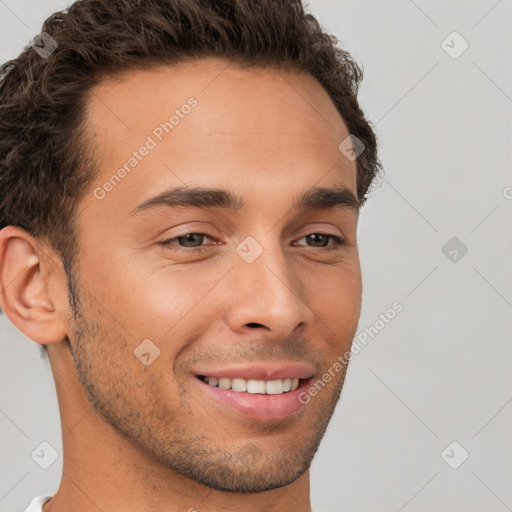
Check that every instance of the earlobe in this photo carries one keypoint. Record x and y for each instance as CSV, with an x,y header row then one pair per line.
x,y
24,285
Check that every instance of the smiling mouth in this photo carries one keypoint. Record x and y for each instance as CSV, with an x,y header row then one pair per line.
x,y
253,386
258,399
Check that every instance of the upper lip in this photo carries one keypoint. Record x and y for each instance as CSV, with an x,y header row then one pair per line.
x,y
260,371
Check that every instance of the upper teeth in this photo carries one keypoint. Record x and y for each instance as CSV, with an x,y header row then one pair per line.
x,y
269,387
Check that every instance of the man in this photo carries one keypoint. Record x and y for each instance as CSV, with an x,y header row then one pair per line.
x,y
180,184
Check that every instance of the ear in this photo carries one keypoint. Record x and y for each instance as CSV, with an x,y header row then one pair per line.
x,y
33,289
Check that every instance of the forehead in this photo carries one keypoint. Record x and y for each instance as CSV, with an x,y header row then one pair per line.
x,y
222,87
248,126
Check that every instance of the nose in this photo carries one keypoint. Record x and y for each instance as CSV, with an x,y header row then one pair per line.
x,y
265,294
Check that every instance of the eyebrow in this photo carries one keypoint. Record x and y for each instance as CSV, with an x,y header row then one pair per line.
x,y
319,198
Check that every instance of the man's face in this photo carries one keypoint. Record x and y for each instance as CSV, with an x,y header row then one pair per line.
x,y
265,287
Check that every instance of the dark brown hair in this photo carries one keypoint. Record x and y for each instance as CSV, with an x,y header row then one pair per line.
x,y
46,163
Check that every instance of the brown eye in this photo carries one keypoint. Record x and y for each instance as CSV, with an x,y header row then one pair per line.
x,y
321,240
187,241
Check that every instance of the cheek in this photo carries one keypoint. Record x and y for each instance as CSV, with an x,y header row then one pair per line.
x,y
164,303
171,301
338,304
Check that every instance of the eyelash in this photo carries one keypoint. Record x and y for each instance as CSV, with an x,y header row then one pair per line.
x,y
339,242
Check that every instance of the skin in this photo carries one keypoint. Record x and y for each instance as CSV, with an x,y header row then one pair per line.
x,y
139,437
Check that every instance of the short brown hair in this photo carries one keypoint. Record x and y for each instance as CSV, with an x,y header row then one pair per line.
x,y
46,164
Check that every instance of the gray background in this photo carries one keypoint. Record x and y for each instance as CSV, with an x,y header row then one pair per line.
x,y
440,370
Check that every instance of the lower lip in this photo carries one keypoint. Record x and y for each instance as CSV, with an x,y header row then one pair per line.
x,y
258,406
